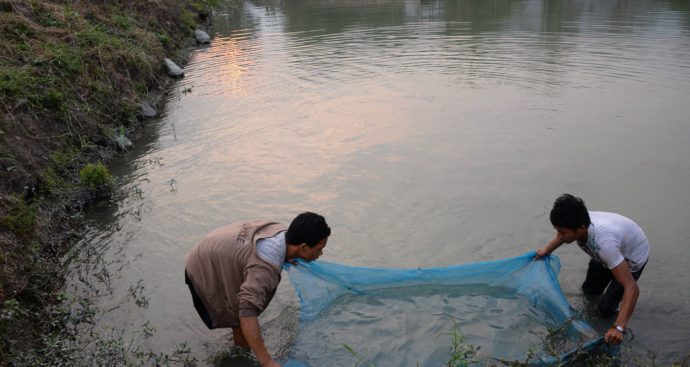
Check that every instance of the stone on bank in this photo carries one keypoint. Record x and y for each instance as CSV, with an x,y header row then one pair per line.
x,y
202,37
173,70
148,111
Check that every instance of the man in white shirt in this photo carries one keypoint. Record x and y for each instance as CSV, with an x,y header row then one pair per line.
x,y
619,251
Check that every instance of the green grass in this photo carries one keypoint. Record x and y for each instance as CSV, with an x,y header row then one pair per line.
x,y
21,217
50,181
95,177
462,353
65,57
123,22
64,160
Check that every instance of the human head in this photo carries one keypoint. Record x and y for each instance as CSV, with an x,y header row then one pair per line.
x,y
309,232
570,218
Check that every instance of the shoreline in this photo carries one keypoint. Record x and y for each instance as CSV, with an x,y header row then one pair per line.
x,y
72,88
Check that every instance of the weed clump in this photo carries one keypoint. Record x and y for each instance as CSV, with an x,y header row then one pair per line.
x,y
20,217
96,178
462,353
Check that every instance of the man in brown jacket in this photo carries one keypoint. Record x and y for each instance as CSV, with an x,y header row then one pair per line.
x,y
234,271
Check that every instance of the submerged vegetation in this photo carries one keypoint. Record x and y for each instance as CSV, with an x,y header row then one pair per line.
x,y
73,76
461,352
464,354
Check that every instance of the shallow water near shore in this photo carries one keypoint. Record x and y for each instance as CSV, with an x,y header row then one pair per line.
x,y
427,133
412,326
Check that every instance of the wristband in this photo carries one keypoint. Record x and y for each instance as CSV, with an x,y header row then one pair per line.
x,y
620,329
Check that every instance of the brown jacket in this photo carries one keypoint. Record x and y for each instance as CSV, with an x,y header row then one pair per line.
x,y
228,275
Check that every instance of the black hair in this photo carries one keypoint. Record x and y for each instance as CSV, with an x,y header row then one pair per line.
x,y
309,228
569,212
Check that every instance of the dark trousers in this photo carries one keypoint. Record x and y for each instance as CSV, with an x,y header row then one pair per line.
x,y
598,278
198,304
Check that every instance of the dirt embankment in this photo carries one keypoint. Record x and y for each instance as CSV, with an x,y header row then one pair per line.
x,y
73,75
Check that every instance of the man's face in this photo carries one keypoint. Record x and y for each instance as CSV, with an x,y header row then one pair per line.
x,y
569,235
312,253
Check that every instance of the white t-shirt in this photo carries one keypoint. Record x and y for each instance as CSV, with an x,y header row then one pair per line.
x,y
613,238
272,249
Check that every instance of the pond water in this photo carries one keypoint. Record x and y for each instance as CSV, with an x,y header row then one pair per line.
x,y
416,326
428,133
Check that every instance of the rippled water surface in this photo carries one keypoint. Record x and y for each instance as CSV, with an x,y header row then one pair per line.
x,y
412,326
428,133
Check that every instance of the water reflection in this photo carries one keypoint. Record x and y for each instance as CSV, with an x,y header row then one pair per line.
x,y
533,44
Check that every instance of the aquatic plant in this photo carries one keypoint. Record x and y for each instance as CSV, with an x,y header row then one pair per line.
x,y
360,360
462,353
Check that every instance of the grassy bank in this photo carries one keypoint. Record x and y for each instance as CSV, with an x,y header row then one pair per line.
x,y
73,75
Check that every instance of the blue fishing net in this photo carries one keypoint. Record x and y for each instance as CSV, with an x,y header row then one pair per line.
x,y
508,310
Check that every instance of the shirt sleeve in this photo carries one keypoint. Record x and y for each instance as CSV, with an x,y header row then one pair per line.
x,y
257,290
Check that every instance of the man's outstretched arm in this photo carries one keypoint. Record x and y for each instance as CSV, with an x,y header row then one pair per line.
x,y
252,334
550,247
631,291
